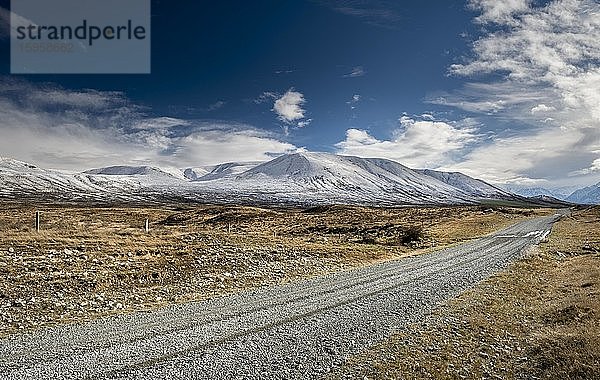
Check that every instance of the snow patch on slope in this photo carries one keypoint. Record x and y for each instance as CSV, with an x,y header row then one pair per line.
x,y
227,170
472,186
127,170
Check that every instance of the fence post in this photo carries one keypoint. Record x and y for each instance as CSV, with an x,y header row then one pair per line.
x,y
147,226
37,221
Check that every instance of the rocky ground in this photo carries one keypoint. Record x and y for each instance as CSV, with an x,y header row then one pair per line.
x,y
95,261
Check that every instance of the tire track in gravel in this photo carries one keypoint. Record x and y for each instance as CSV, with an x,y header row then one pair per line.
x,y
214,314
414,281
109,338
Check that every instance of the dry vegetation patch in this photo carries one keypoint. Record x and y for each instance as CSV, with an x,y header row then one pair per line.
x,y
88,262
538,320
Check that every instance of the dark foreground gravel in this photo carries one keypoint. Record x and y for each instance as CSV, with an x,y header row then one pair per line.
x,y
300,330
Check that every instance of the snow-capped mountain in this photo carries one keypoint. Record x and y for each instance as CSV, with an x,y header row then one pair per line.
x,y
211,172
128,170
587,195
316,176
472,186
19,179
194,173
300,178
227,170
561,193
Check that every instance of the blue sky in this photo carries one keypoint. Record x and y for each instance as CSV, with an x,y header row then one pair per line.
x,y
505,91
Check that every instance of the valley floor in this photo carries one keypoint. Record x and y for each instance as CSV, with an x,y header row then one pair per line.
x,y
88,262
538,320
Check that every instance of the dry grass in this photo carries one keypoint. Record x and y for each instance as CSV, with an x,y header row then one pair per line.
x,y
92,261
538,320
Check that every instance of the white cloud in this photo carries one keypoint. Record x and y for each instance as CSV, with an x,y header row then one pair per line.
x,y
49,95
496,98
304,123
265,97
594,168
78,99
216,105
159,123
517,159
380,13
417,143
214,146
542,108
498,11
357,71
352,102
557,45
289,106
548,58
82,129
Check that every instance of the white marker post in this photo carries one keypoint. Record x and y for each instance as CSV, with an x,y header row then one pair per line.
x,y
147,226
37,221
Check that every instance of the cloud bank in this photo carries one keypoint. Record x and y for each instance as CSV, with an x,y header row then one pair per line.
x,y
415,143
55,127
548,59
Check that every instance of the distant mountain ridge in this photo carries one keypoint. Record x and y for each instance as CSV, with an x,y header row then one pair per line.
x,y
587,195
558,193
299,178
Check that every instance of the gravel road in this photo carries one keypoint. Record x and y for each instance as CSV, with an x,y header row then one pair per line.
x,y
296,331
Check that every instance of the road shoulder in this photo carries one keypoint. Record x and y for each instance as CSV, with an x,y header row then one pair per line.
x,y
538,319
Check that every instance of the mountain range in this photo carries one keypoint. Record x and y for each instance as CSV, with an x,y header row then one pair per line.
x,y
300,178
572,194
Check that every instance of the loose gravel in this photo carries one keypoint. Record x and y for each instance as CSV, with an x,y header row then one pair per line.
x,y
296,331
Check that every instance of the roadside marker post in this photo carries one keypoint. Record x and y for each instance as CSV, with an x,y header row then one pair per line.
x,y
147,226
37,221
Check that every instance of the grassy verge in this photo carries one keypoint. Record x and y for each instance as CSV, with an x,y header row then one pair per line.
x,y
538,320
90,262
